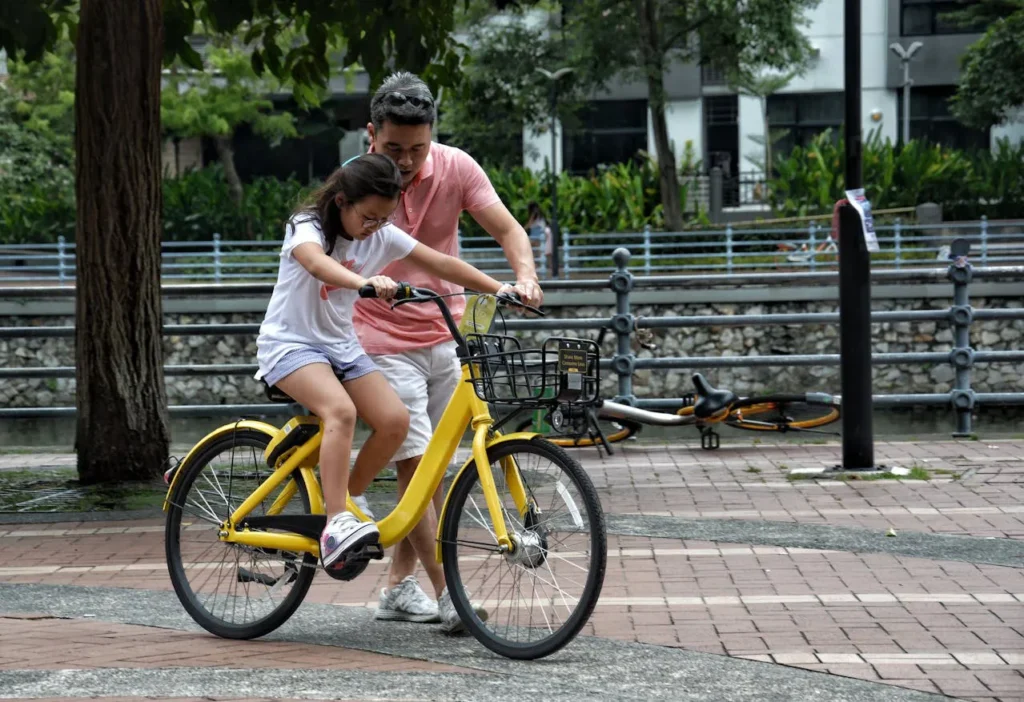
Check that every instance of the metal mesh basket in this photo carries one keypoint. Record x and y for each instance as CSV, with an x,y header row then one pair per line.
x,y
562,371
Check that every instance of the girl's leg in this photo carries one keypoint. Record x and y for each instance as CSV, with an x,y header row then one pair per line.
x,y
380,407
316,387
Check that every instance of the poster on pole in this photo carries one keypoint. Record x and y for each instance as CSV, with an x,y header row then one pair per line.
x,y
861,203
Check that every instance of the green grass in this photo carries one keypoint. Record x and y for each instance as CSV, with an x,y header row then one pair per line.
x,y
21,490
753,469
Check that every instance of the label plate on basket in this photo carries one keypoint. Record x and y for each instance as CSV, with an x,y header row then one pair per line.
x,y
572,360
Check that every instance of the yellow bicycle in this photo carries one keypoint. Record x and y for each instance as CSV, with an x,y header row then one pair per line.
x,y
521,528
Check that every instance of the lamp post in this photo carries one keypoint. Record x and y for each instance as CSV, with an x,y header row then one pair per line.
x,y
905,55
556,237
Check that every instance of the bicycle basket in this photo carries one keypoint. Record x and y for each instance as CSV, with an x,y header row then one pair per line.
x,y
562,371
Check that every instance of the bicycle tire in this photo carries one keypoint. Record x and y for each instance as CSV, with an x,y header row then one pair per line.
x,y
817,413
304,571
527,525
624,430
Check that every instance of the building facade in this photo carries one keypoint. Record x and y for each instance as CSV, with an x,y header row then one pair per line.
x,y
724,129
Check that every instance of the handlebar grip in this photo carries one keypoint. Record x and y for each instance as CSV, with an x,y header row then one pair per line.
x,y
404,292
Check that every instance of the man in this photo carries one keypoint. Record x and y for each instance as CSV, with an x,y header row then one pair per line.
x,y
411,344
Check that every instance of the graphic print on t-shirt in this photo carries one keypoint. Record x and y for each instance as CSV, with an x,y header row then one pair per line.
x,y
326,289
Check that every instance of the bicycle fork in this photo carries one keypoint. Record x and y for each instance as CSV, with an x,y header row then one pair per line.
x,y
513,478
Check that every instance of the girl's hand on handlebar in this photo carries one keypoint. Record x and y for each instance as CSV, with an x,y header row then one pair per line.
x,y
385,287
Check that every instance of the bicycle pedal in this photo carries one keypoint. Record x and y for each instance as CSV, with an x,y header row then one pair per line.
x,y
356,561
709,440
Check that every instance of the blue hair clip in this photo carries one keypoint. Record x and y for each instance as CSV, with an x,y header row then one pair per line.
x,y
350,160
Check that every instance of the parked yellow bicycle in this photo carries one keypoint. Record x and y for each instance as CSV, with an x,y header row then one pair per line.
x,y
522,526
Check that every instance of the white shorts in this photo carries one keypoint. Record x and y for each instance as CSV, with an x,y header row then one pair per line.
x,y
425,380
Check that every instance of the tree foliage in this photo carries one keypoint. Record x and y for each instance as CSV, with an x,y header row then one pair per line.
x,y
643,38
991,89
119,370
501,92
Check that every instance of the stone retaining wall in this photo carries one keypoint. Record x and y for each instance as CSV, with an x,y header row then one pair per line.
x,y
706,341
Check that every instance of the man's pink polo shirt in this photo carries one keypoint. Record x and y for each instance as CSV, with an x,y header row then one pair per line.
x,y
449,182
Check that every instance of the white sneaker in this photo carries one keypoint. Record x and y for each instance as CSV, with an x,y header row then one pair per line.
x,y
343,533
406,602
363,505
451,623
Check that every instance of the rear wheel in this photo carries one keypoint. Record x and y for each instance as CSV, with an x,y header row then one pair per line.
x,y
233,590
782,413
539,595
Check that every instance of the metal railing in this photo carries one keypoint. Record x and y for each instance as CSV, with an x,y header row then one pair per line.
x,y
960,315
732,249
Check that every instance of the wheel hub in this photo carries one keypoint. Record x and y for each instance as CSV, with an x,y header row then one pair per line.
x,y
529,550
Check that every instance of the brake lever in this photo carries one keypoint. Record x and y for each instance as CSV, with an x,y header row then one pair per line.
x,y
510,300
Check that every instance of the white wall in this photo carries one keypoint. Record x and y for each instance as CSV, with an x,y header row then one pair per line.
x,y
826,72
685,122
1014,131
541,145
751,125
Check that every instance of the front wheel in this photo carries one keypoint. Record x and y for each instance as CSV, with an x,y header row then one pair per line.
x,y
539,595
582,435
783,413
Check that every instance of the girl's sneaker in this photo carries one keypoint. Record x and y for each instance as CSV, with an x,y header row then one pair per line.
x,y
362,504
344,533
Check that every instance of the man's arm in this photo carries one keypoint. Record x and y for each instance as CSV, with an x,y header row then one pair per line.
x,y
500,224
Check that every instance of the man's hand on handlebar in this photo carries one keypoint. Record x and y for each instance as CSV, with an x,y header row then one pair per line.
x,y
530,293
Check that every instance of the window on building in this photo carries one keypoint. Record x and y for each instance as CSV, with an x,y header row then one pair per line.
x,y
930,119
609,131
804,116
927,17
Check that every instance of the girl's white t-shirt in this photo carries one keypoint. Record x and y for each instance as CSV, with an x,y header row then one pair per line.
x,y
305,312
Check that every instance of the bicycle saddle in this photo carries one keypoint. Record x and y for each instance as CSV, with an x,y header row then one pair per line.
x,y
712,401
276,394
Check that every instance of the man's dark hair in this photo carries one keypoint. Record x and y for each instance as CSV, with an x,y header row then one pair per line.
x,y
403,98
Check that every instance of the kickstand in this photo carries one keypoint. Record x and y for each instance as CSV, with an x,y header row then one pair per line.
x,y
596,433
709,440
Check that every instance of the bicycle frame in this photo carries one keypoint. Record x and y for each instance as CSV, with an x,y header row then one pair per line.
x,y
465,409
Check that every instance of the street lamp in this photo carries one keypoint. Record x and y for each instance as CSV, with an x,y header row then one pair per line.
x,y
556,237
905,55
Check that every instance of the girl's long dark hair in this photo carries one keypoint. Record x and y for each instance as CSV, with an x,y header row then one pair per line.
x,y
369,174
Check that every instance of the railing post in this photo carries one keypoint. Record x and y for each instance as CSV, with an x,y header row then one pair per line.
x,y
728,248
567,248
812,231
216,258
647,249
962,355
623,362
897,241
984,240
61,264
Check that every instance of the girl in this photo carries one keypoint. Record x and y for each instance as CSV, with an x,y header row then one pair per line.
x,y
307,346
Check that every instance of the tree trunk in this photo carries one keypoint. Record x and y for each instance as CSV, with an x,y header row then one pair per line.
x,y
122,427
226,154
654,70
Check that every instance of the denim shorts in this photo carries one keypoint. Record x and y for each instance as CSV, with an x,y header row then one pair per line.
x,y
293,360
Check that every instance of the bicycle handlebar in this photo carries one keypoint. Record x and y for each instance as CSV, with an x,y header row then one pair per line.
x,y
408,293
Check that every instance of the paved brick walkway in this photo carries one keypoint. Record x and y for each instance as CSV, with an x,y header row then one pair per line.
x,y
954,627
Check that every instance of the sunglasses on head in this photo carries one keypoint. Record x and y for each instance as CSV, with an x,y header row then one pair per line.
x,y
396,98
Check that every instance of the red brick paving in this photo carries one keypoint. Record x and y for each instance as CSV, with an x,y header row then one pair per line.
x,y
939,626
